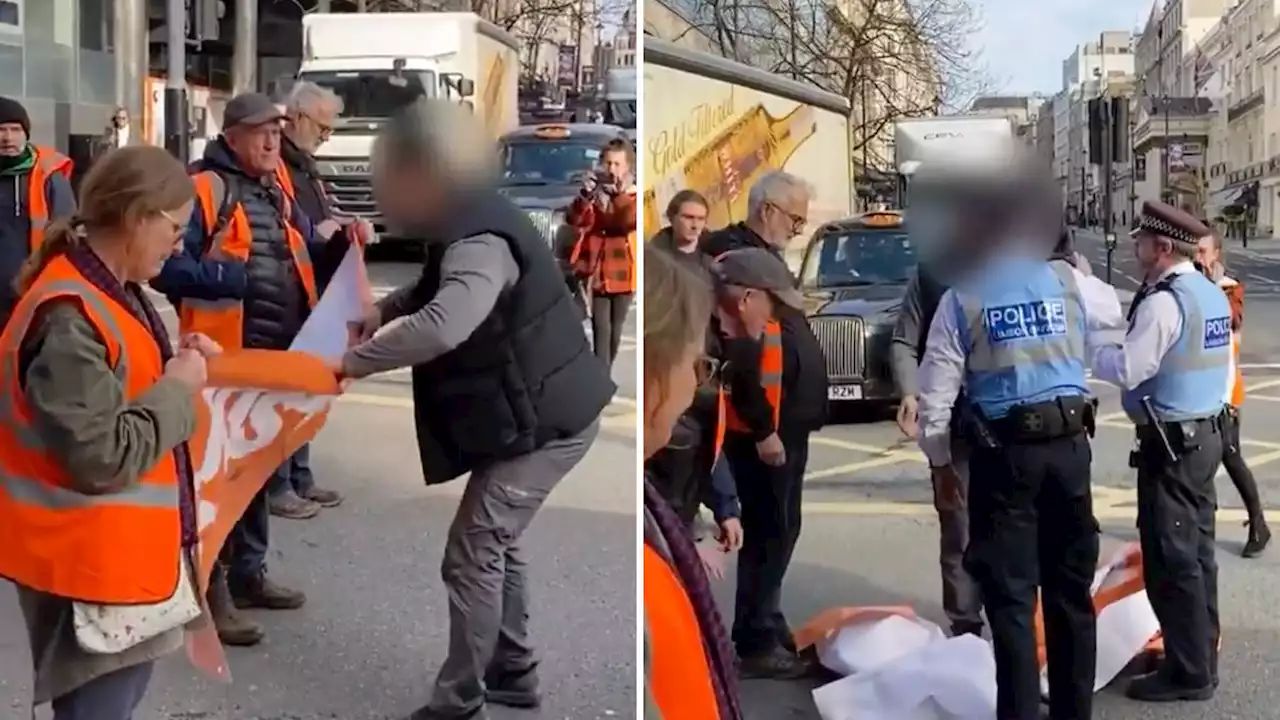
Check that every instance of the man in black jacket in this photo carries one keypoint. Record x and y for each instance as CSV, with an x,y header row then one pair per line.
x,y
773,411
505,386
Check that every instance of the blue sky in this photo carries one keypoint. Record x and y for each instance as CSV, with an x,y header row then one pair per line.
x,y
1023,42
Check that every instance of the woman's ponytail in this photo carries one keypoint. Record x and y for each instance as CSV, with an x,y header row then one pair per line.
x,y
59,237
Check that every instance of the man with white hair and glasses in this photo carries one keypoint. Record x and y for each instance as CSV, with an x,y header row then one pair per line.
x,y
779,397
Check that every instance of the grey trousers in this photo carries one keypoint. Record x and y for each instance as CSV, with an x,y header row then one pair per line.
x,y
484,571
961,599
113,696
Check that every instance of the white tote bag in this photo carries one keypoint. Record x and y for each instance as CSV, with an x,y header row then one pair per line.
x,y
112,629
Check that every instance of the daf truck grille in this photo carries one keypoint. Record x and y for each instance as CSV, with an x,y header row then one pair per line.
x,y
843,342
545,222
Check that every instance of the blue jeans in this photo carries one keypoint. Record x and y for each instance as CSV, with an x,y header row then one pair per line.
x,y
294,475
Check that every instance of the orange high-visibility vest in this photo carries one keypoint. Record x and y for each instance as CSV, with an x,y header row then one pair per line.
x,y
770,378
1235,293
223,320
722,417
285,178
118,549
680,672
49,162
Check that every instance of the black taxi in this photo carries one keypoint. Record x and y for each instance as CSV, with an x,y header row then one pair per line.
x,y
854,274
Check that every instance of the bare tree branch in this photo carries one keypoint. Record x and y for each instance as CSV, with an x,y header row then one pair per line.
x,y
891,58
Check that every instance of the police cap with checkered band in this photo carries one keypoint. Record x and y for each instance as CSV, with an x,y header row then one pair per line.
x,y
1166,221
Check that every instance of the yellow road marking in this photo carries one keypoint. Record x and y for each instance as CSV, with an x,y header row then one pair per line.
x,y
883,460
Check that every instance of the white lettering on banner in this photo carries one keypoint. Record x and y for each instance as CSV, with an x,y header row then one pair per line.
x,y
243,421
1217,333
1040,318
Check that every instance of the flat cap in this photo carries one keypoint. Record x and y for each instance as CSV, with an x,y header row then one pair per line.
x,y
758,269
251,109
1161,219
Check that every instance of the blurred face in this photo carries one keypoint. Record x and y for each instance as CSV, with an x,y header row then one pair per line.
x,y
153,241
689,222
405,195
13,139
1207,253
743,312
312,128
615,163
782,220
667,395
257,148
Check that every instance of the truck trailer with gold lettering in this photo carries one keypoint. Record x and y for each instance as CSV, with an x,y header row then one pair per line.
x,y
716,126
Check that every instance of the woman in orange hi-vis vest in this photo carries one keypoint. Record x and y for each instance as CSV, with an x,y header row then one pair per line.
x,y
96,484
689,667
1209,258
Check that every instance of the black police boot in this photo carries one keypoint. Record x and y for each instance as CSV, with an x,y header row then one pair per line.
x,y
1159,686
517,689
1259,538
966,628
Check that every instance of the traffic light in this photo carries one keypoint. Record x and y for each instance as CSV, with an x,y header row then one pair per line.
x,y
1119,130
1097,129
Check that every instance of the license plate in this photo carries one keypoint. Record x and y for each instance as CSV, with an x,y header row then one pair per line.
x,y
844,392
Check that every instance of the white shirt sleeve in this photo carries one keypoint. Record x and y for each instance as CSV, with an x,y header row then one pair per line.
x,y
941,377
1156,326
1104,319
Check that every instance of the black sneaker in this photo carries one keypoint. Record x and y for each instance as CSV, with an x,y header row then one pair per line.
x,y
776,664
1159,687
966,628
1259,538
517,689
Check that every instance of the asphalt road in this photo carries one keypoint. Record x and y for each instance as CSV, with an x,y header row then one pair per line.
x,y
373,633
870,536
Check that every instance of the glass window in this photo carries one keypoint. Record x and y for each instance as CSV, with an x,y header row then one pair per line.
x,y
374,93
547,162
11,71
96,19
859,257
11,13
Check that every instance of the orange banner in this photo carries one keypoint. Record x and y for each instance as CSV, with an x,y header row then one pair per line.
x,y
259,408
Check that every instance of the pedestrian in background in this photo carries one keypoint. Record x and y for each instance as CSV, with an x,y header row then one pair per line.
x,y
686,228
102,409
311,113
605,256
504,386
116,135
770,352
35,189
689,665
1209,258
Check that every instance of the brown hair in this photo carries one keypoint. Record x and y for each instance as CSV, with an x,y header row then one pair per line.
x,y
682,197
125,187
619,145
677,306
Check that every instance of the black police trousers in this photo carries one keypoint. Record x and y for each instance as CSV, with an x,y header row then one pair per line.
x,y
1176,526
771,499
1031,525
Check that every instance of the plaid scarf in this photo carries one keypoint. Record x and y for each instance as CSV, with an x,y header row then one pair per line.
x,y
131,297
688,567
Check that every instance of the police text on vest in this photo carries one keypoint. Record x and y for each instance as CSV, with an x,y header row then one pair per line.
x,y
1217,332
1040,318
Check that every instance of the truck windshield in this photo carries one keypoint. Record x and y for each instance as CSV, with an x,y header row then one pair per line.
x,y
547,162
843,258
621,113
374,93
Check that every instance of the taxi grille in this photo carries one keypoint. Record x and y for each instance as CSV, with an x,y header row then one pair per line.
x,y
544,221
843,342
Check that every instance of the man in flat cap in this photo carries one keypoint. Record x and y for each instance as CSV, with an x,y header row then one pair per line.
x,y
247,279
766,341
1174,367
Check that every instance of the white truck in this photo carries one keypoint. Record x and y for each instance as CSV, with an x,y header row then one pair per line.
x,y
380,62
620,99
918,140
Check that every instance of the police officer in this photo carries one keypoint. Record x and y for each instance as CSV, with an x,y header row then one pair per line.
x,y
1174,366
1013,331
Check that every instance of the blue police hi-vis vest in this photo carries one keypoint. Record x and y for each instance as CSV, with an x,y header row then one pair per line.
x,y
1024,336
1191,383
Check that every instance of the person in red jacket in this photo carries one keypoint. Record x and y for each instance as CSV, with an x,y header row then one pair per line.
x,y
605,255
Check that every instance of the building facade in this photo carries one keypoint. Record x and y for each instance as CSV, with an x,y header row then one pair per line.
x,y
1094,69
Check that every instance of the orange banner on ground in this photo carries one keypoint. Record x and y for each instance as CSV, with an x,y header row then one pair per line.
x,y
259,408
